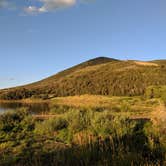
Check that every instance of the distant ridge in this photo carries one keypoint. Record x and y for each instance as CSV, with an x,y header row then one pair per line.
x,y
101,75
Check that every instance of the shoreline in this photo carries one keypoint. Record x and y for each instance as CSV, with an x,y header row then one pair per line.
x,y
28,101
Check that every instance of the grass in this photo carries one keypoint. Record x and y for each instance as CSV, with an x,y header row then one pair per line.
x,y
98,101
119,105
82,134
103,121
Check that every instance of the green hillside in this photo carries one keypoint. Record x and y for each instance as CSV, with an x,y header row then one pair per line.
x,y
102,76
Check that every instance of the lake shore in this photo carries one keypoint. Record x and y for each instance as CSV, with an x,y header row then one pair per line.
x,y
26,101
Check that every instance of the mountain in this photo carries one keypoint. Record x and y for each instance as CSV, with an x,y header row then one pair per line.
x,y
104,76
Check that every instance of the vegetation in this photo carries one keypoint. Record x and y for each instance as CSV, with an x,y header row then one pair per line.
x,y
17,94
78,135
101,112
100,76
156,92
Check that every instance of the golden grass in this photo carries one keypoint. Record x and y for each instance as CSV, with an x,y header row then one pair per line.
x,y
145,63
108,102
85,101
159,115
138,108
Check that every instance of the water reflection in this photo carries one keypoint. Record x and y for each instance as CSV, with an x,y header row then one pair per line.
x,y
32,108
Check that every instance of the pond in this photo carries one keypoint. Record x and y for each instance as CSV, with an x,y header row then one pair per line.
x,y
33,108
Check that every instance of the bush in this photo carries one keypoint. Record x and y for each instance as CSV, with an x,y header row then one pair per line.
x,y
102,124
79,120
65,136
16,94
50,126
11,121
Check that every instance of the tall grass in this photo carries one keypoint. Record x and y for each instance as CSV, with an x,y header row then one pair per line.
x,y
80,137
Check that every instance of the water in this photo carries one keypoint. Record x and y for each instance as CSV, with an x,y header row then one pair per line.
x,y
32,108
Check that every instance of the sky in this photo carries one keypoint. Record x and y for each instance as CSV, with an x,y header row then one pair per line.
x,y
39,38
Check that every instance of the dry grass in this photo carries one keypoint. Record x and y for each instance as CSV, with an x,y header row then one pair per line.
x,y
84,101
160,113
136,104
146,63
159,118
89,101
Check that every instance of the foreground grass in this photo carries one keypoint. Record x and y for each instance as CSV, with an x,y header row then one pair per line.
x,y
80,136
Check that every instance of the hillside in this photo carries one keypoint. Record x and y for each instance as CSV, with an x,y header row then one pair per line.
x,y
101,76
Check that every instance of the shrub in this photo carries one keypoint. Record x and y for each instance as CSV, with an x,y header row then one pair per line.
x,y
11,121
102,124
50,126
79,119
65,136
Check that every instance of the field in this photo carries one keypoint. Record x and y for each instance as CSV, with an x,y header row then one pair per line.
x,y
86,130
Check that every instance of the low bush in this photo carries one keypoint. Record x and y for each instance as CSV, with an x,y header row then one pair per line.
x,y
50,126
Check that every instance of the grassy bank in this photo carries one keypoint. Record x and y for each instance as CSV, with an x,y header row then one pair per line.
x,y
26,101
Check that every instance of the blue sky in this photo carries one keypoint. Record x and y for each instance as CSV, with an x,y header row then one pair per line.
x,y
41,37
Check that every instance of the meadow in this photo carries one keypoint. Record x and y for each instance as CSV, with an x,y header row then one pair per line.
x,y
86,130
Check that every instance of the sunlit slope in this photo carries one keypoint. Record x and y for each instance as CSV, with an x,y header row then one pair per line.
x,y
103,76
91,63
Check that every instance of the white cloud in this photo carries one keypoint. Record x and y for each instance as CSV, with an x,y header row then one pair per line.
x,y
50,5
32,10
46,5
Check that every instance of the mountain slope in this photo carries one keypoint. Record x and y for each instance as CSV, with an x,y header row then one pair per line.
x,y
104,76
62,74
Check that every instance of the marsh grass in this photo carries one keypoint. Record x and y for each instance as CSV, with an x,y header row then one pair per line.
x,y
81,136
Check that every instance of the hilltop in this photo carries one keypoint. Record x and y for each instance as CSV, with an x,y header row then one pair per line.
x,y
99,76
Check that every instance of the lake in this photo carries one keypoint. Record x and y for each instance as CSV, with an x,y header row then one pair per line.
x,y
33,108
